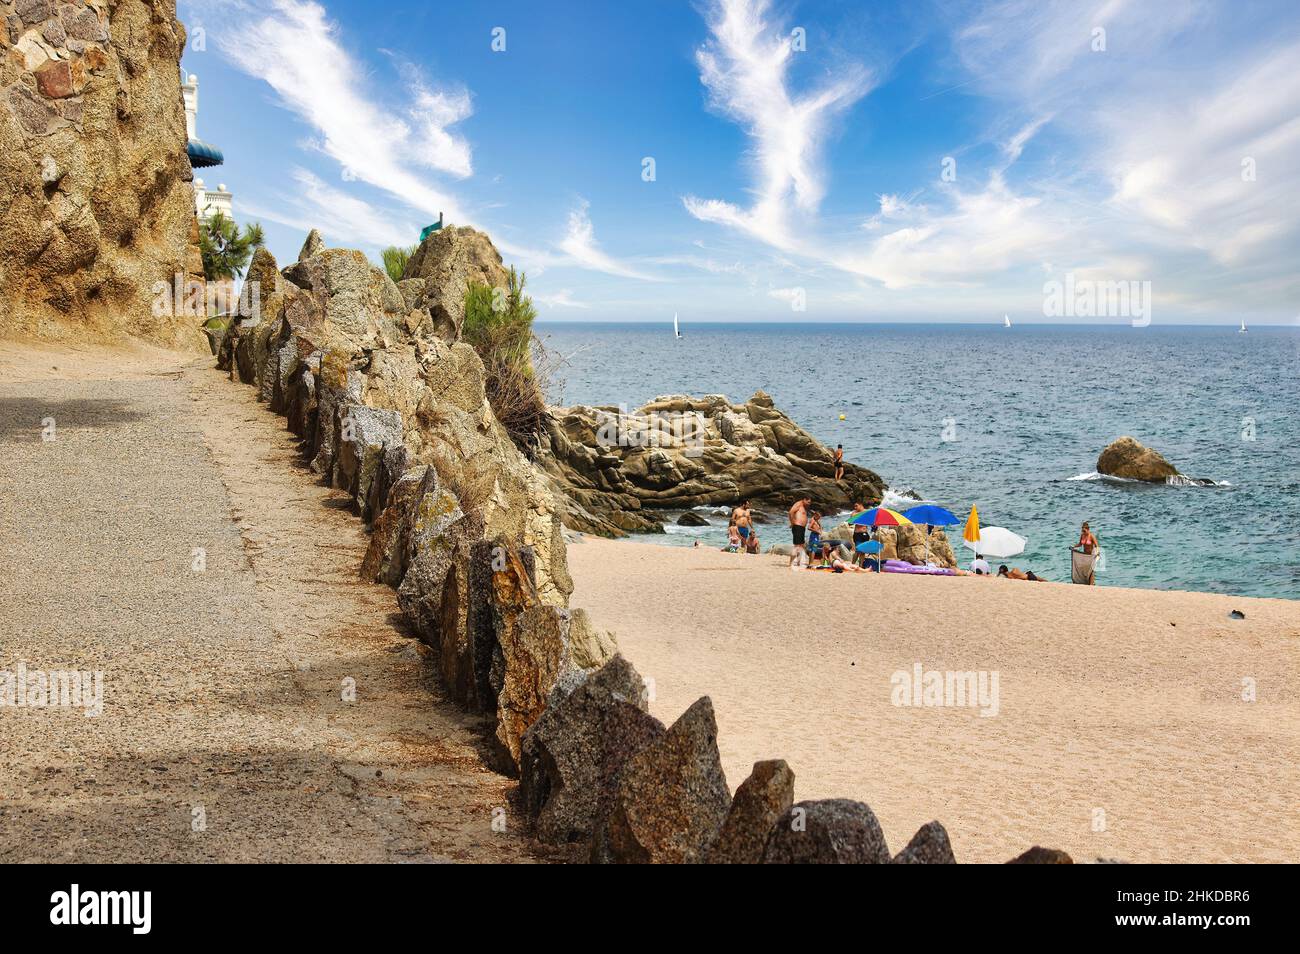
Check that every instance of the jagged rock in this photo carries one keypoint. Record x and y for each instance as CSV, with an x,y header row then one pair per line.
x,y
836,831
1126,457
449,261
759,803
531,651
929,846
365,434
589,648
385,559
571,756
97,206
692,519
435,528
679,452
313,245
361,303
671,798
1042,856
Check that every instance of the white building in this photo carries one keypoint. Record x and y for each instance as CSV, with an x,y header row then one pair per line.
x,y
202,155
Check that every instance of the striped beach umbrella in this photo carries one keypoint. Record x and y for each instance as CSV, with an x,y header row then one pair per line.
x,y
879,517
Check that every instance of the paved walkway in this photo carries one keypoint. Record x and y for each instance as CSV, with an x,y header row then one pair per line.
x,y
167,537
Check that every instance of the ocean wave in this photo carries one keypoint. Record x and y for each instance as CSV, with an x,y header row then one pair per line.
x,y
903,499
1179,480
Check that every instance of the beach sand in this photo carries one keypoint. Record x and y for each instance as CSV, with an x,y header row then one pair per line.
x,y
1121,729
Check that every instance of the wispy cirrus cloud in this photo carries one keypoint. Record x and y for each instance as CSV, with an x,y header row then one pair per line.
x,y
342,217
580,247
295,48
745,68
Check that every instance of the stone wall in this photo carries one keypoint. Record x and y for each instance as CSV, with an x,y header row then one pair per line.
x,y
95,197
396,415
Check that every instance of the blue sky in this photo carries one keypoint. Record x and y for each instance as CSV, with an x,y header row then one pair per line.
x,y
866,161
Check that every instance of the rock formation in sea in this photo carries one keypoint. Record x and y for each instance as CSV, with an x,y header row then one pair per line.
x,y
615,469
96,203
1128,458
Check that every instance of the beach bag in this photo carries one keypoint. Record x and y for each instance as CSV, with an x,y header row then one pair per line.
x,y
1100,565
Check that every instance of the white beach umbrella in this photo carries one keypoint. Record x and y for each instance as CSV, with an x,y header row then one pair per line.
x,y
997,542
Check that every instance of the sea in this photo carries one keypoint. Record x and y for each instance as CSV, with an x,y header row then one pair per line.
x,y
1012,420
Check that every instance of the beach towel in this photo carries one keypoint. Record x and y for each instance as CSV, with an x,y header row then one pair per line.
x,y
1082,567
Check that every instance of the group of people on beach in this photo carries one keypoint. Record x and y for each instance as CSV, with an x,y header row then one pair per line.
x,y
807,542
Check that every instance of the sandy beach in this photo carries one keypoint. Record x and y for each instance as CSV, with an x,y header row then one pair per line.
x,y
1120,728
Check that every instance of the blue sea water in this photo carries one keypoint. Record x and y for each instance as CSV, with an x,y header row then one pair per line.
x,y
1030,407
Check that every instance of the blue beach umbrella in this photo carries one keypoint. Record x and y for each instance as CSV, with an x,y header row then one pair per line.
x,y
934,516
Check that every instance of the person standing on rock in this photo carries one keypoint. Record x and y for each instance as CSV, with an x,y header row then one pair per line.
x,y
798,528
839,461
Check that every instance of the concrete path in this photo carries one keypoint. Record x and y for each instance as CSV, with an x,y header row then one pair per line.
x,y
259,703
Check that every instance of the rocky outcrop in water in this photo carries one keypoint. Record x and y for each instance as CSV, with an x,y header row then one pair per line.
x,y
1129,459
614,469
463,525
96,206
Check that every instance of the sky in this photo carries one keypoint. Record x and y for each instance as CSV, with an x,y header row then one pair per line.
x,y
752,160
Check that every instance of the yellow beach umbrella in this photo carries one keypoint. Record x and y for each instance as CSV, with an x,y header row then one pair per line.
x,y
972,532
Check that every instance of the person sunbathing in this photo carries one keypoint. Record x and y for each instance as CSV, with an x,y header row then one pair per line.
x,y
1015,573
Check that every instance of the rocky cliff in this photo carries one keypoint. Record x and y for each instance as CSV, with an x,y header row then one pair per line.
x,y
615,468
396,414
95,198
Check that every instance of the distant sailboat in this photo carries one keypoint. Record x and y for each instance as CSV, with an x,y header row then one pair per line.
x,y
1006,321
1243,327
677,332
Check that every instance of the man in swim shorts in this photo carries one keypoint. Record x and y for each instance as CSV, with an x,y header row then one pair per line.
x,y
798,529
743,519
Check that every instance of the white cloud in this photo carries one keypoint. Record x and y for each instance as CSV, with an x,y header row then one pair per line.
x,y
296,49
745,67
560,298
343,219
579,244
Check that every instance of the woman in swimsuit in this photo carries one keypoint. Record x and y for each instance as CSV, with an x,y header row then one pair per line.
x,y
839,461
1087,542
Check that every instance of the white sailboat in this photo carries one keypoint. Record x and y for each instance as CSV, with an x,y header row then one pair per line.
x,y
1243,327
677,332
1006,321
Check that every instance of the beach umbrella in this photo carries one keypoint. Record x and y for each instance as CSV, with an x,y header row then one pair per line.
x,y
971,534
932,516
879,517
871,548
997,542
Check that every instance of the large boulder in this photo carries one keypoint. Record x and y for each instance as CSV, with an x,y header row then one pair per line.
x,y
835,831
759,803
929,846
1038,855
671,798
1127,458
97,222
572,755
448,262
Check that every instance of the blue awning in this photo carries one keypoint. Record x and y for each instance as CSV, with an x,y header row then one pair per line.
x,y
203,155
